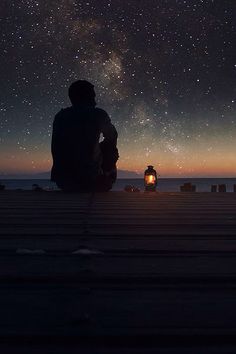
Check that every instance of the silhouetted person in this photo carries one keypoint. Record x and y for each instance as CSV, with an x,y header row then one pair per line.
x,y
80,162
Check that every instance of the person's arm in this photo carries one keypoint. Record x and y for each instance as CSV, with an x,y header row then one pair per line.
x,y
56,146
108,145
55,143
108,130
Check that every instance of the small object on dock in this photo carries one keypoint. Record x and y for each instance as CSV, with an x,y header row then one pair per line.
x,y
214,188
234,188
130,188
188,187
222,188
36,187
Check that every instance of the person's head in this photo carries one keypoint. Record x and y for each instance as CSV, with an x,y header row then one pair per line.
x,y
82,92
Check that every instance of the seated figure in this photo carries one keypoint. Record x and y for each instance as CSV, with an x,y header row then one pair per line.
x,y
80,162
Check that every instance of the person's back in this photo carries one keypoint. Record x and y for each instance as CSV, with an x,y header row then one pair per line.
x,y
80,163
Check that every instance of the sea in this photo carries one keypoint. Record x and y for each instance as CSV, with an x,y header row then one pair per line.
x,y
164,184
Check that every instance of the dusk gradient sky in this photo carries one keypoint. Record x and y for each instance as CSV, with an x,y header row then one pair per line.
x,y
165,71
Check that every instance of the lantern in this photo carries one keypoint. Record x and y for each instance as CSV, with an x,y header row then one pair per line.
x,y
150,179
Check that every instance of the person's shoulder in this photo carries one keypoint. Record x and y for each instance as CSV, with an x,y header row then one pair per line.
x,y
64,112
102,114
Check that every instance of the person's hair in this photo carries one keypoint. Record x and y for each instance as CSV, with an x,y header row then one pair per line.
x,y
81,91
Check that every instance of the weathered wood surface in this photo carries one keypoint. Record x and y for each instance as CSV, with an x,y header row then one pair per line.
x,y
162,271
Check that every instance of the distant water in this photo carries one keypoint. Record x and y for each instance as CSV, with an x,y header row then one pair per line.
x,y
164,184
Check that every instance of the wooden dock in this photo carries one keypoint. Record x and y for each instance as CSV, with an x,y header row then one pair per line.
x,y
117,272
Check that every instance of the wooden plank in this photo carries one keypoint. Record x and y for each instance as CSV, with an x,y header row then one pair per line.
x,y
167,265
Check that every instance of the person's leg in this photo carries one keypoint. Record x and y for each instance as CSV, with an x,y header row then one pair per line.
x,y
103,183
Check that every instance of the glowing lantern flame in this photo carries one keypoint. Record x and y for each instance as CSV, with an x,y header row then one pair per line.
x,y
150,179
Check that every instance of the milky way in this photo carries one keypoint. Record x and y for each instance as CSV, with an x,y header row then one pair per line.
x,y
164,70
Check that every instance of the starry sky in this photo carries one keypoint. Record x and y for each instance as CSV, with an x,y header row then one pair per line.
x,y
164,70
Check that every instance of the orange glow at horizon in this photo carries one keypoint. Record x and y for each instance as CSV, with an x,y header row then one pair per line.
x,y
212,157
206,165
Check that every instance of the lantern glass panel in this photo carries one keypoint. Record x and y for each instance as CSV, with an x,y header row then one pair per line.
x,y
150,179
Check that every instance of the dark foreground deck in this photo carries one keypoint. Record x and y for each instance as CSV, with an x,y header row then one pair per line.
x,y
117,272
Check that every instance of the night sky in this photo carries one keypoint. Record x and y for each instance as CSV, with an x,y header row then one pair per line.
x,y
165,71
